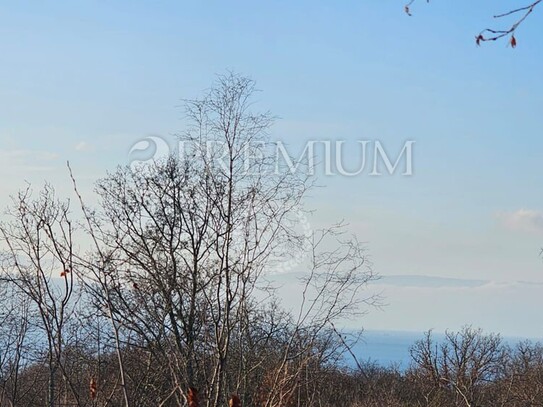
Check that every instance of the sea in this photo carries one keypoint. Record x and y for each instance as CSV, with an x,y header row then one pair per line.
x,y
391,348
385,348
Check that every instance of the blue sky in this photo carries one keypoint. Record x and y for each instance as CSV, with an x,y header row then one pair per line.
x,y
85,80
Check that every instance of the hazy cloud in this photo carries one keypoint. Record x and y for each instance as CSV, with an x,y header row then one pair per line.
x,y
523,220
429,281
84,146
27,159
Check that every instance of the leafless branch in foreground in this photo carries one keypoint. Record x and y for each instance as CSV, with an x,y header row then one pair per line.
x,y
491,34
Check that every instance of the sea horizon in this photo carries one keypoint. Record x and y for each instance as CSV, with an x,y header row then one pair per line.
x,y
390,348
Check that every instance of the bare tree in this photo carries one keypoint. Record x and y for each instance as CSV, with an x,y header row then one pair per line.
x,y
193,235
185,240
38,263
15,320
331,293
188,239
522,381
461,364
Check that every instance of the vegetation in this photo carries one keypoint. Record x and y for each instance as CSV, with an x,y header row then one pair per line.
x,y
162,295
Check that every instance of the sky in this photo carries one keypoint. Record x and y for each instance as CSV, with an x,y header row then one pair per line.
x,y
456,243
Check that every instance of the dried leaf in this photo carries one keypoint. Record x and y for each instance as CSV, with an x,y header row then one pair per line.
x,y
93,389
513,41
478,39
408,11
192,397
234,401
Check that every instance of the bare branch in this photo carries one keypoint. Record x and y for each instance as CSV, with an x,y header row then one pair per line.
x,y
491,34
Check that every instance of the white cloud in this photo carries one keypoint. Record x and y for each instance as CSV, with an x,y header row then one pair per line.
x,y
84,146
523,220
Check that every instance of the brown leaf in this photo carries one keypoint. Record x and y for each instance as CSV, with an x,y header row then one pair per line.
x,y
479,38
408,11
513,41
93,389
192,397
234,401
